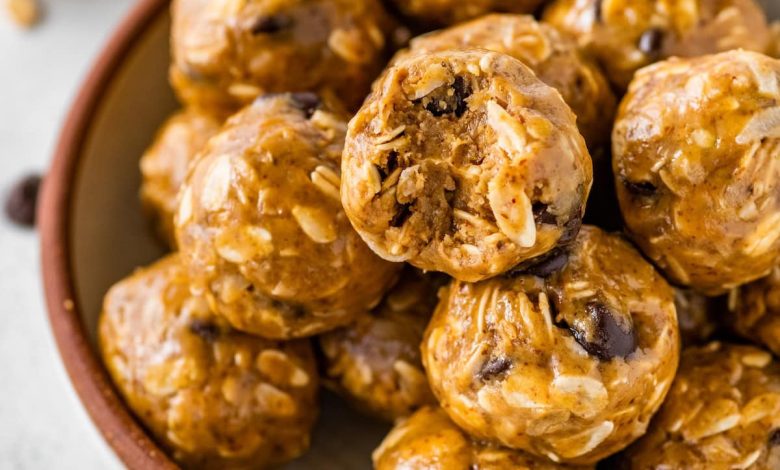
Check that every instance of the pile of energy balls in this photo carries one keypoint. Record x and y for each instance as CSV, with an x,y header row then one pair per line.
x,y
534,242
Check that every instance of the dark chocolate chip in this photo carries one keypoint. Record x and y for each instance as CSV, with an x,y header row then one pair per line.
x,y
542,215
609,340
774,438
640,188
571,229
455,104
392,161
207,330
401,216
306,101
650,42
494,367
462,92
20,206
270,24
550,265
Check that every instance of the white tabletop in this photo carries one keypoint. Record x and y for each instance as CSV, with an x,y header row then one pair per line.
x,y
42,423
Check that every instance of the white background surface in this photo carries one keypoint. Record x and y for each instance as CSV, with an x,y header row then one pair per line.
x,y
42,423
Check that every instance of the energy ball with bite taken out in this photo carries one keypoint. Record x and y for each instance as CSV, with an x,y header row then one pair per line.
x,y
464,162
723,411
429,440
164,164
755,310
226,52
695,151
261,228
554,57
375,361
568,364
626,35
212,396
447,12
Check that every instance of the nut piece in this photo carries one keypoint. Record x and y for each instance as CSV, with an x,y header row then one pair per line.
x,y
164,165
429,440
708,217
570,366
192,380
626,35
463,162
375,361
272,253
554,57
227,53
723,411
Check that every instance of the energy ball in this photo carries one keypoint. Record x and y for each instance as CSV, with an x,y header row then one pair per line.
x,y
464,162
226,53
447,12
723,411
554,58
695,147
429,440
568,364
212,396
696,316
261,228
164,164
755,310
375,361
626,35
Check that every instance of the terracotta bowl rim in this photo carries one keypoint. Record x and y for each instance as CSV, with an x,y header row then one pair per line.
x,y
129,440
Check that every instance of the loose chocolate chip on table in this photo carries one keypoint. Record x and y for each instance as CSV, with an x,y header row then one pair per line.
x,y
306,101
609,340
650,42
205,329
269,24
494,367
22,201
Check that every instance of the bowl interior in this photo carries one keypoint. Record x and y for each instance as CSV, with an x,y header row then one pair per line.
x,y
110,237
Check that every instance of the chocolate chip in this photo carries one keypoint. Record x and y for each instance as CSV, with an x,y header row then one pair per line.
x,y
20,206
494,367
542,215
270,24
401,216
609,340
570,230
306,101
462,92
207,330
392,161
640,188
449,104
550,264
774,438
650,42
